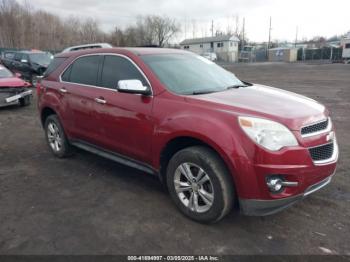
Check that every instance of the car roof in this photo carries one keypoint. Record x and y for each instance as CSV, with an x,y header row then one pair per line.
x,y
139,51
31,52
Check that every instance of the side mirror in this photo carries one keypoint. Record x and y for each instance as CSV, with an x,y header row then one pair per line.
x,y
24,61
133,87
18,75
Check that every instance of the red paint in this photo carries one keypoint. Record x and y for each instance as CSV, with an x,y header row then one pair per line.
x,y
13,81
140,127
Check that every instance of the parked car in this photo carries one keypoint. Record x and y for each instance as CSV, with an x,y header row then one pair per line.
x,y
210,56
7,56
30,64
213,139
13,90
87,46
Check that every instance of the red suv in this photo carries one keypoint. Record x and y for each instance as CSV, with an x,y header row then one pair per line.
x,y
214,140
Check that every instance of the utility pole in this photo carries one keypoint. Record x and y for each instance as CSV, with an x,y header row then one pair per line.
x,y
268,44
243,34
212,28
296,37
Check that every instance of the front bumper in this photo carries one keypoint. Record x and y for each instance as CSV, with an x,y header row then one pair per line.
x,y
12,96
255,207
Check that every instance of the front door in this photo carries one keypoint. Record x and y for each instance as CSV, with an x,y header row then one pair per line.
x,y
125,123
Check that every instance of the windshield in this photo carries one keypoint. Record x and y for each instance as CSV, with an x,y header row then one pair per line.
x,y
188,74
40,58
4,73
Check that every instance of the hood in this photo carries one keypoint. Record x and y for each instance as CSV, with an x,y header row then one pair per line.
x,y
12,82
288,108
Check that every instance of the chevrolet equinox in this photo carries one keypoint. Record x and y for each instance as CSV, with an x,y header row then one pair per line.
x,y
215,141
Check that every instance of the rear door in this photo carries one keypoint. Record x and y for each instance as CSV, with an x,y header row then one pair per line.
x,y
78,83
125,123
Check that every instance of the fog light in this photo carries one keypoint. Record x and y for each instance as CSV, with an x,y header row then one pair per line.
x,y
275,184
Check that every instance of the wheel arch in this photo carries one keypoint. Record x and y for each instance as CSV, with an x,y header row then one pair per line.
x,y
181,142
45,113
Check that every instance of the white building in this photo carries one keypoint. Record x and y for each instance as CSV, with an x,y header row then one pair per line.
x,y
225,46
346,47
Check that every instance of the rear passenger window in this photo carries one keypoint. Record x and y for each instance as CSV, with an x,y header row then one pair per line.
x,y
55,63
83,71
117,68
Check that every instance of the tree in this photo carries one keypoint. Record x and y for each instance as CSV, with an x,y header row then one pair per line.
x,y
21,26
161,29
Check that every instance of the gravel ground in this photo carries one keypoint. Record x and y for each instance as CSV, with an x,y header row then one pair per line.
x,y
89,205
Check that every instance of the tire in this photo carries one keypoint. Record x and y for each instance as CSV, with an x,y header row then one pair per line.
x,y
25,101
214,197
56,138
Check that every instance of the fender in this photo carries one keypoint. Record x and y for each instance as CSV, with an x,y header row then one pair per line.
x,y
214,132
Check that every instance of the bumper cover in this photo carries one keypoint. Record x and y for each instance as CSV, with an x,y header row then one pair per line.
x,y
255,207
14,98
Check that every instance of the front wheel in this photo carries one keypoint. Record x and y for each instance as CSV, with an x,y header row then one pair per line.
x,y
200,184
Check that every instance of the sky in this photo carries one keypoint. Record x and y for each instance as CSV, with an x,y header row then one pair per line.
x,y
311,17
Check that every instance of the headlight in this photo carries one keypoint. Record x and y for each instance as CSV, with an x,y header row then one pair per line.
x,y
269,134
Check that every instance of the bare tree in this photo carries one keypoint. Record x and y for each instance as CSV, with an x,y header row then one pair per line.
x,y
165,28
21,26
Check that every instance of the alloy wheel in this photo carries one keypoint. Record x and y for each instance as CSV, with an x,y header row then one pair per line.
x,y
194,187
54,137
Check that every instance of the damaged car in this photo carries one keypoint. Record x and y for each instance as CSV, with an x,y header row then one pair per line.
x,y
13,90
30,64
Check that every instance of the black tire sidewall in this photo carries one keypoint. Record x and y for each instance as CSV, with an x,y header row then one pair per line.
x,y
214,168
25,101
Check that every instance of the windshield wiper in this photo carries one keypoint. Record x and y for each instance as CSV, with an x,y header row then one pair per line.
x,y
235,86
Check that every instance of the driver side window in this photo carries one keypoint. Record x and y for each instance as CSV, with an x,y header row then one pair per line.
x,y
116,68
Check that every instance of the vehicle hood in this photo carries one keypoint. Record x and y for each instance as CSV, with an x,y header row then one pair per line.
x,y
12,82
288,108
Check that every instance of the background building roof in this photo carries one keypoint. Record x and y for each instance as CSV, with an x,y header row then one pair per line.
x,y
219,38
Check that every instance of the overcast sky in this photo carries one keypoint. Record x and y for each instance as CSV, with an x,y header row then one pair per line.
x,y
312,17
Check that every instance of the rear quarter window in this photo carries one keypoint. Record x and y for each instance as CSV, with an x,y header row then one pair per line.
x,y
56,62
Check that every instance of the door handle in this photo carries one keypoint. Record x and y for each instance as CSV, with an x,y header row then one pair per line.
x,y
63,90
100,100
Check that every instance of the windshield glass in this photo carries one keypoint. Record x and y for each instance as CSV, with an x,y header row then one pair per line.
x,y
188,74
40,58
4,73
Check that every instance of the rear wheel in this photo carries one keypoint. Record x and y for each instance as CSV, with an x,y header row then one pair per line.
x,y
56,138
200,184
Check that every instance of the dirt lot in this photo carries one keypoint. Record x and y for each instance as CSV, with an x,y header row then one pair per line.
x,y
89,205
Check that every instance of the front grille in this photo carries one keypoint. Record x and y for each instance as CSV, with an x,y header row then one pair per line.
x,y
315,127
323,152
